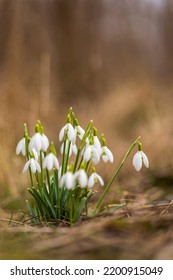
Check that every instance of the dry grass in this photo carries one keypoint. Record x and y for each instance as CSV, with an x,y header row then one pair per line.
x,y
134,232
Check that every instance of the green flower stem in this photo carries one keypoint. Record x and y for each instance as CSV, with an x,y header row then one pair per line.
x,y
116,173
30,174
37,180
41,165
87,165
63,158
80,163
76,161
77,200
67,157
70,206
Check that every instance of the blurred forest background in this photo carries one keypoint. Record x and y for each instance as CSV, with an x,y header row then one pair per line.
x,y
111,60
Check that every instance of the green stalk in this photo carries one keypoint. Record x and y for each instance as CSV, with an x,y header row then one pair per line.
x,y
41,163
70,206
80,163
67,157
63,158
116,173
30,174
76,161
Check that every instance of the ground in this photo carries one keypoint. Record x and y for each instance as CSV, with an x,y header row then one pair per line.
x,y
136,231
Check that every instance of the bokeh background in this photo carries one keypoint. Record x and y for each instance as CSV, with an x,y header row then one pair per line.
x,y
111,60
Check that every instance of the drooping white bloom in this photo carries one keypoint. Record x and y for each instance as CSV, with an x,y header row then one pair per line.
x,y
71,133
94,178
138,158
50,161
91,153
67,180
34,165
97,145
73,148
79,131
107,154
21,147
39,142
81,177
45,142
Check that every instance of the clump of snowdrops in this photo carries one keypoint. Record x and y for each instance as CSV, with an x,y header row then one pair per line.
x,y
62,186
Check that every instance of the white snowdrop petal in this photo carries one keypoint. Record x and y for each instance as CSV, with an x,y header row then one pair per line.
x,y
97,145
26,166
69,180
109,154
91,181
71,133
38,142
137,161
80,131
33,166
95,161
45,142
18,148
105,158
145,159
95,154
23,150
50,161
56,162
87,154
99,179
37,165
49,164
83,179
21,147
62,132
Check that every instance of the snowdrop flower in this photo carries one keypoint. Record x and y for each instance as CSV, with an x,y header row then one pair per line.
x,y
97,145
68,180
91,153
81,177
73,148
33,164
94,178
21,147
79,131
107,154
39,142
138,158
71,133
50,161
